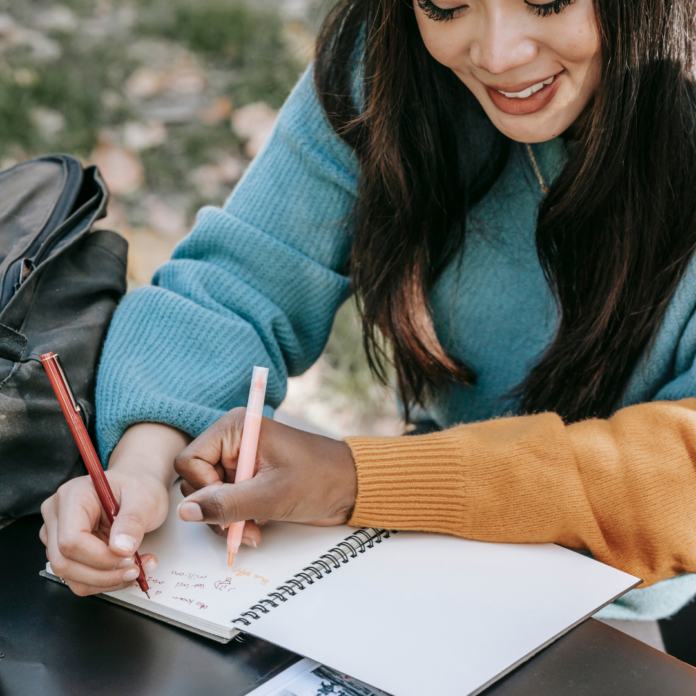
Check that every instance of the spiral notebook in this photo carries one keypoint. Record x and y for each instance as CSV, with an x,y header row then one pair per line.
x,y
408,613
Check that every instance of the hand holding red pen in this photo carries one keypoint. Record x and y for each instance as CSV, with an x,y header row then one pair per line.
x,y
78,536
73,416
80,544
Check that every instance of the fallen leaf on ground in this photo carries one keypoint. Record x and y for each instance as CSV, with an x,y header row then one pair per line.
x,y
165,219
121,168
142,136
218,111
254,123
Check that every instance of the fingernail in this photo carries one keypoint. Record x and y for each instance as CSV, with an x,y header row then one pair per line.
x,y
150,565
126,562
250,541
190,512
256,522
131,574
125,542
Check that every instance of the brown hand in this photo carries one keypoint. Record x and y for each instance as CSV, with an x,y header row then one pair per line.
x,y
300,477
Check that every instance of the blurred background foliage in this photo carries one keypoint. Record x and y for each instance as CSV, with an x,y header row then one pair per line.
x,y
172,99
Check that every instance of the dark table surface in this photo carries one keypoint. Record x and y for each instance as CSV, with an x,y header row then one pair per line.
x,y
56,644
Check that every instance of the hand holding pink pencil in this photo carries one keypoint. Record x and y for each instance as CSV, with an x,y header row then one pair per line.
x,y
297,476
247,450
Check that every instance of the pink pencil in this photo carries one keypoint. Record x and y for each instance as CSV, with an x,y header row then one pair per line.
x,y
247,450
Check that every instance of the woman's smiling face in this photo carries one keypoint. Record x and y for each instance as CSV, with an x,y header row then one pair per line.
x,y
533,66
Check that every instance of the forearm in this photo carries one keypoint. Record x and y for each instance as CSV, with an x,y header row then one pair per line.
x,y
257,282
149,448
624,488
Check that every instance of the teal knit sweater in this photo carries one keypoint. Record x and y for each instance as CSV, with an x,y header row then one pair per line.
x,y
259,281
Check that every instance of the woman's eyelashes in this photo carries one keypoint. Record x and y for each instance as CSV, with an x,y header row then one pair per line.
x,y
440,14
549,8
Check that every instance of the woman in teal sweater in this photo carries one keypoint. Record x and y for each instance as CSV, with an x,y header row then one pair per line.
x,y
507,186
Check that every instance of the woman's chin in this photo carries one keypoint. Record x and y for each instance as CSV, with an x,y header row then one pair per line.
x,y
531,128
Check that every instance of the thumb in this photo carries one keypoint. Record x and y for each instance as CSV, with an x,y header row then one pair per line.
x,y
227,503
129,526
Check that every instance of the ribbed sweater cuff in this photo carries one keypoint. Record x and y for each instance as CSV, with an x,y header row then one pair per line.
x,y
408,482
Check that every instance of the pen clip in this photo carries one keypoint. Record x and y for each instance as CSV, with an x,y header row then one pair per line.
x,y
59,365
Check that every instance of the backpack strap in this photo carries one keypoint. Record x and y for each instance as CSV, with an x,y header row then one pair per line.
x,y
12,344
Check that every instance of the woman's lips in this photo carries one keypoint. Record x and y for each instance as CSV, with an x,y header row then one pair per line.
x,y
529,105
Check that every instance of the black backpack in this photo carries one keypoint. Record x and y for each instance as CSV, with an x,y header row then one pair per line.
x,y
59,285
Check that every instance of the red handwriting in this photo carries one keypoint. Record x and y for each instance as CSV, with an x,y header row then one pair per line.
x,y
158,592
200,605
199,585
190,576
154,581
224,585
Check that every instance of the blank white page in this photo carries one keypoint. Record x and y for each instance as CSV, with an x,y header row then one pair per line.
x,y
432,614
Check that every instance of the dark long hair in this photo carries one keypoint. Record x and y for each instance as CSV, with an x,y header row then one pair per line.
x,y
614,235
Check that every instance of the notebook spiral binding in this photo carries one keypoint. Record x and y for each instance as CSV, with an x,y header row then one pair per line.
x,y
350,547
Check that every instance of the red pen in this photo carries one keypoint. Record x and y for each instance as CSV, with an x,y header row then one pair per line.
x,y
71,411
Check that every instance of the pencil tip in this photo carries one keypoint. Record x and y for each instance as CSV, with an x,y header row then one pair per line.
x,y
148,594
230,558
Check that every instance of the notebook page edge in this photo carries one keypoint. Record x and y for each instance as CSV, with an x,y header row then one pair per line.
x,y
221,637
224,638
529,656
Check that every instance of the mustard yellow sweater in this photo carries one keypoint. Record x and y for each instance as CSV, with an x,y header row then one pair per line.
x,y
622,488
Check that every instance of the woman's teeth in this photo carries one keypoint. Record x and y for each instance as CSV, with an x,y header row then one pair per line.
x,y
529,91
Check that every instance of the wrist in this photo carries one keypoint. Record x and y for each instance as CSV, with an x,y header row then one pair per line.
x,y
348,479
149,449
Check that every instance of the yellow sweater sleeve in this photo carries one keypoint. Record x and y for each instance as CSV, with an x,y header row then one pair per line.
x,y
623,488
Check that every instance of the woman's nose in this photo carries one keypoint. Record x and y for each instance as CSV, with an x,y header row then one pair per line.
x,y
501,44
